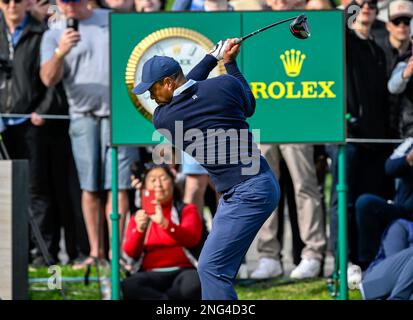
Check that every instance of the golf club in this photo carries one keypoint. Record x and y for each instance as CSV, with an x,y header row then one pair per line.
x,y
299,28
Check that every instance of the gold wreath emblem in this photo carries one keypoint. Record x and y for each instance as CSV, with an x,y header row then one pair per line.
x,y
148,42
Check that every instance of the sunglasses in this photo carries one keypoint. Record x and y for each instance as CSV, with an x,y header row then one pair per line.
x,y
370,4
404,20
8,1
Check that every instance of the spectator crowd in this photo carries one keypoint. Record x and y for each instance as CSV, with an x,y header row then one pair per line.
x,y
50,69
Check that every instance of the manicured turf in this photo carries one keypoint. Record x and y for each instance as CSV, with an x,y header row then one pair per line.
x,y
277,289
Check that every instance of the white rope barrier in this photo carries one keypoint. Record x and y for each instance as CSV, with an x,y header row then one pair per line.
x,y
44,116
357,140
66,117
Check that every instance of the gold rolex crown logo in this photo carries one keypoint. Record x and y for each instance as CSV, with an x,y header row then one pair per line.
x,y
293,62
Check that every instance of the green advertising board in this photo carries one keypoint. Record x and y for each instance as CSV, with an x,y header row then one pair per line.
x,y
298,84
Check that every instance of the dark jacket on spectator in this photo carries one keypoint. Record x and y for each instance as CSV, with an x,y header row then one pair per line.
x,y
367,94
398,167
23,91
392,58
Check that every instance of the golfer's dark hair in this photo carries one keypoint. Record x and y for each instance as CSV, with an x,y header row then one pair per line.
x,y
178,75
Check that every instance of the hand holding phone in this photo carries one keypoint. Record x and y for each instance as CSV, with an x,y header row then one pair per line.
x,y
141,220
69,38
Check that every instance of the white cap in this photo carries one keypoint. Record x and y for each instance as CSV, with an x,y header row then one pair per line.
x,y
400,8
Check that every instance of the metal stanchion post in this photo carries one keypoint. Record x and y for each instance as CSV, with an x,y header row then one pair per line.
x,y
115,278
342,221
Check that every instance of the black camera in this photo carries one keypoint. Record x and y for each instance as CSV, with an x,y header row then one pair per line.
x,y
72,23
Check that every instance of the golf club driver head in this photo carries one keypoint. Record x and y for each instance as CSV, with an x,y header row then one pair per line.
x,y
300,28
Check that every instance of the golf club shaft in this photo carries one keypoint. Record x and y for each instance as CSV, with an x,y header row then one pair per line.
x,y
263,29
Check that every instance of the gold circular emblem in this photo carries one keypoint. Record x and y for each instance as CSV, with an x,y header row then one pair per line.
x,y
186,46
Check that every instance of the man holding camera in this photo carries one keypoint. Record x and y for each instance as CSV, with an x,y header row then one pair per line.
x,y
20,36
77,55
44,143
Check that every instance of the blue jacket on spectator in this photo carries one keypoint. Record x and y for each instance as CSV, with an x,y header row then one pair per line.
x,y
398,167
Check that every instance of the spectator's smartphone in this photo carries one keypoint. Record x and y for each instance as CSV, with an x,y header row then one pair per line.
x,y
72,23
148,196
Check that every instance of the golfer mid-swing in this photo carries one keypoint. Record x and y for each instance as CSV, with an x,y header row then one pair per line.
x,y
249,191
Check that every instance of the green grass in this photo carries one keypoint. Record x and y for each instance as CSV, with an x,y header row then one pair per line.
x,y
72,290
278,289
286,289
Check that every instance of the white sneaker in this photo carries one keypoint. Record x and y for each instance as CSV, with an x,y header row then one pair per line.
x,y
354,276
308,268
267,268
243,272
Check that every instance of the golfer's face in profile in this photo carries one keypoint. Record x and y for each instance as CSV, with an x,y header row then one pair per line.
x,y
161,92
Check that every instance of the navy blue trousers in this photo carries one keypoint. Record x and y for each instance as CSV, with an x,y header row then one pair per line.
x,y
392,278
241,212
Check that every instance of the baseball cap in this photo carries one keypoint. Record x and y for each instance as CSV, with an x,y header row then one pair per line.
x,y
400,8
155,69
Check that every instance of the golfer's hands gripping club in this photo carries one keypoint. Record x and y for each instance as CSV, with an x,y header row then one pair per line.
x,y
218,51
232,50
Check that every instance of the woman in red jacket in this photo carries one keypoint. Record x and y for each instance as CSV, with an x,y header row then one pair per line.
x,y
160,240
